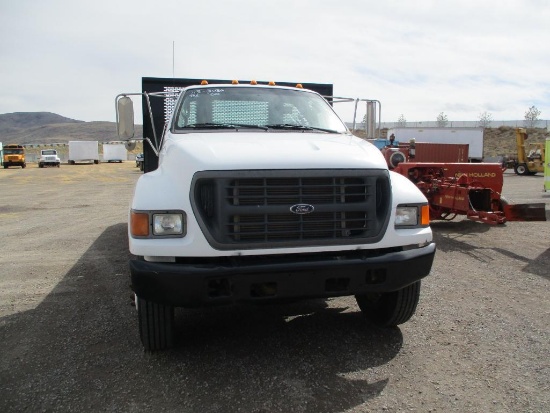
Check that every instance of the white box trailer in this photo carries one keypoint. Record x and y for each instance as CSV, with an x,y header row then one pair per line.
x,y
472,136
83,151
114,152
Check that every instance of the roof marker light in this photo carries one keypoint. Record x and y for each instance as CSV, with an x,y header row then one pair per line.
x,y
204,82
253,82
234,82
299,86
271,83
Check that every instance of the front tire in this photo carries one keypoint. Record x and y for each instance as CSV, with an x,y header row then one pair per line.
x,y
156,325
390,309
521,169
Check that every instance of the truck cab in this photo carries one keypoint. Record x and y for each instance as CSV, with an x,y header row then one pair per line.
x,y
48,157
262,194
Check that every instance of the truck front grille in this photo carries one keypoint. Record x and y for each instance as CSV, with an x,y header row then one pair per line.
x,y
269,209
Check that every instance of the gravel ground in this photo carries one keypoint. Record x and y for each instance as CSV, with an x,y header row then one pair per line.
x,y
479,341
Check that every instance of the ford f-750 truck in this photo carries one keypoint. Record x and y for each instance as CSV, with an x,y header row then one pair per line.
x,y
261,193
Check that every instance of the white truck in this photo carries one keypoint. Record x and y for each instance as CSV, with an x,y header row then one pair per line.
x,y
471,136
114,152
48,157
83,151
263,194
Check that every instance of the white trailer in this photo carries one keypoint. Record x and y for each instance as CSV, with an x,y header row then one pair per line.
x,y
83,151
472,136
114,152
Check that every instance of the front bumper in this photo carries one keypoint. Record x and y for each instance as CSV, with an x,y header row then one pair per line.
x,y
267,278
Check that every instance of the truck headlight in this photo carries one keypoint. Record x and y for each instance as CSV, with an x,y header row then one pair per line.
x,y
161,224
412,216
167,224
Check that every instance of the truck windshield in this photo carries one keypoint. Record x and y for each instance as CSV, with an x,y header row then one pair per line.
x,y
13,151
220,107
49,152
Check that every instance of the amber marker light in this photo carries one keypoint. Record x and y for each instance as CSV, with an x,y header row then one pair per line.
x,y
204,82
253,82
299,86
425,215
139,224
271,83
234,82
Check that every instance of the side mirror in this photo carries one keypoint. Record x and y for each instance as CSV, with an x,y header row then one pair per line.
x,y
125,117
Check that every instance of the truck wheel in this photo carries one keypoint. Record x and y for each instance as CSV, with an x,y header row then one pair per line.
x,y
390,309
41,165
521,169
156,325
24,166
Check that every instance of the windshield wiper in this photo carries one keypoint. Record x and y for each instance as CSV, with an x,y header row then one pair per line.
x,y
242,125
209,125
289,126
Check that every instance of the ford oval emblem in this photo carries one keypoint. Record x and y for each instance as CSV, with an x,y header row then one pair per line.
x,y
302,209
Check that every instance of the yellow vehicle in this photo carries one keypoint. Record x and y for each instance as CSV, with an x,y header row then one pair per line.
x,y
547,167
530,157
14,155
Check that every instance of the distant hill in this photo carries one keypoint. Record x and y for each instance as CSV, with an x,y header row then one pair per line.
x,y
44,128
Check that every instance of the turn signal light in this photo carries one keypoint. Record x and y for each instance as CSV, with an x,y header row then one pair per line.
x,y
425,215
139,224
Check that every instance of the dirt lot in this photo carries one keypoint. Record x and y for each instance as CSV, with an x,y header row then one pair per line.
x,y
68,335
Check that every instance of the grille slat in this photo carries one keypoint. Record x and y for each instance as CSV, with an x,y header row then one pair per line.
x,y
246,209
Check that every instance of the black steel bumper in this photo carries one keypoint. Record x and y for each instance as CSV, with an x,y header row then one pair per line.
x,y
204,282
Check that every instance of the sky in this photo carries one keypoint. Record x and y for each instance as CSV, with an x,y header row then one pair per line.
x,y
419,58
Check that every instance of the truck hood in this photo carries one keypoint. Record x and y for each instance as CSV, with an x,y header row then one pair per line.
x,y
270,150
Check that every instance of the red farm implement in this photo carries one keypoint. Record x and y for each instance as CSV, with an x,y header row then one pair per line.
x,y
470,189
